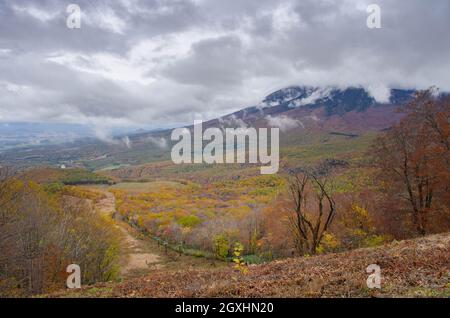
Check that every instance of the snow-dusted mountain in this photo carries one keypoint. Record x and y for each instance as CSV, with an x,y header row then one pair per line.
x,y
351,109
336,100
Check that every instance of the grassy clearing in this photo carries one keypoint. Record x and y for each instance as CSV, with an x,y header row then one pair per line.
x,y
338,147
73,176
154,186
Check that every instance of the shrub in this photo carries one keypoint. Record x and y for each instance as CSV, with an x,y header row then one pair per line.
x,y
329,243
221,246
189,221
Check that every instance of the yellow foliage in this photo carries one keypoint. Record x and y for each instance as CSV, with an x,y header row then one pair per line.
x,y
329,243
238,259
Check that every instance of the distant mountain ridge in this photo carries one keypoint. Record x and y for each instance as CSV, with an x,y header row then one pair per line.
x,y
296,110
335,100
351,109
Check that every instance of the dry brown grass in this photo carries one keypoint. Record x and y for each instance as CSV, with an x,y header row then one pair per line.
x,y
411,268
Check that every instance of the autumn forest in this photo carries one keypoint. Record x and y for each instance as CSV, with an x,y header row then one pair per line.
x,y
332,196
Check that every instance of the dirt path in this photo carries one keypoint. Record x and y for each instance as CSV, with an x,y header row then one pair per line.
x,y
137,258
107,205
141,255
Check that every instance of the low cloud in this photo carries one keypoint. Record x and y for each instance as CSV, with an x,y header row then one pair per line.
x,y
380,93
126,140
283,122
160,142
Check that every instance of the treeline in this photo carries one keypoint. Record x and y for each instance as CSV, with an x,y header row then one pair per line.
x,y
43,231
83,177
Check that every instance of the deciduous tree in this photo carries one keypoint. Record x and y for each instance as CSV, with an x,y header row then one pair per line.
x,y
413,157
313,207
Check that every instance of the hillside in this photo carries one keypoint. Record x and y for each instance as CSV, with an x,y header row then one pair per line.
x,y
320,109
48,175
302,113
410,268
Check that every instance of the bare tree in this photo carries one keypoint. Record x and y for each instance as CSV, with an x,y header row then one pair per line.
x,y
313,208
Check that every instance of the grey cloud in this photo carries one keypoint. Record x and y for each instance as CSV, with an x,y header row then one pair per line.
x,y
137,62
216,62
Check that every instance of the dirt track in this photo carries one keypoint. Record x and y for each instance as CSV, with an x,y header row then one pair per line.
x,y
136,257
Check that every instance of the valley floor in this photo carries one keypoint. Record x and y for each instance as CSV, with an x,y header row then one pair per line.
x,y
141,255
410,268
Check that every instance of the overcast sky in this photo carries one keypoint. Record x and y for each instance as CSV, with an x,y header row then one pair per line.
x,y
162,63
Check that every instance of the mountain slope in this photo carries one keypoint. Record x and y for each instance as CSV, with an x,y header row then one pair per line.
x,y
297,111
297,108
410,268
